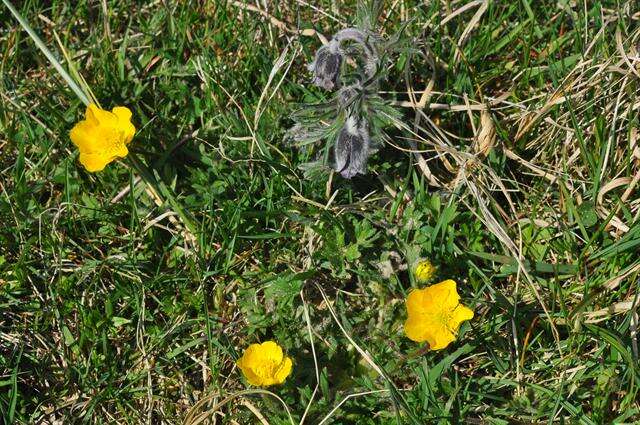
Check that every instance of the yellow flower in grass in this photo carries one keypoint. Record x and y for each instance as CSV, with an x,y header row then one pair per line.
x,y
265,364
102,136
424,271
435,314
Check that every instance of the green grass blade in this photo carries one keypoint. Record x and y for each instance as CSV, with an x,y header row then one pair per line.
x,y
52,59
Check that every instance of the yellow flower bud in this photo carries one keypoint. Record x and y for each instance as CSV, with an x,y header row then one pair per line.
x,y
424,271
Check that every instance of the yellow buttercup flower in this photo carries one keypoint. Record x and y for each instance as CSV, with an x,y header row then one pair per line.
x,y
102,136
424,271
435,314
265,364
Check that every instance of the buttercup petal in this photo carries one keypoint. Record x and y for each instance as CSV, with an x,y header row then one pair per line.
x,y
242,361
82,136
419,330
93,162
123,113
104,118
122,152
128,133
91,114
248,373
124,123
252,378
284,370
415,302
251,355
435,314
443,337
272,352
446,293
460,314
423,302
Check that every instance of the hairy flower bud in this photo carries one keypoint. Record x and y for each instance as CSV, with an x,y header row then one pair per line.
x,y
364,40
351,150
326,66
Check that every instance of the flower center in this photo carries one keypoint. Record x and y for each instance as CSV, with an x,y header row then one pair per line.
x,y
116,144
444,317
267,369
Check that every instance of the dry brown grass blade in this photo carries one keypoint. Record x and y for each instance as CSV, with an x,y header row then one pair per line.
x,y
194,418
632,185
621,181
470,26
606,313
277,66
418,105
190,239
497,230
315,358
255,411
623,54
460,10
615,282
308,32
530,119
615,221
484,141
633,143
485,138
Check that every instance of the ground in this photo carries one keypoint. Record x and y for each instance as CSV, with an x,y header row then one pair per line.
x,y
128,298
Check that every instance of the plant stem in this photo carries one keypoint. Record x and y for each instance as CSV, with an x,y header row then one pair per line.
x,y
163,191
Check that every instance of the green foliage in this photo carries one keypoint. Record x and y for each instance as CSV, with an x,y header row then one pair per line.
x,y
109,313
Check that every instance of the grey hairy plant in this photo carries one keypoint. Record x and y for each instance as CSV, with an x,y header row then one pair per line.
x,y
326,66
348,126
351,150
